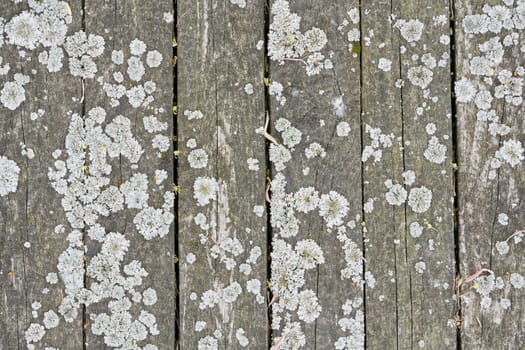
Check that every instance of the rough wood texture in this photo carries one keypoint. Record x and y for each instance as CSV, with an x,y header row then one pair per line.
x,y
217,57
411,303
122,22
342,253
316,105
29,216
484,196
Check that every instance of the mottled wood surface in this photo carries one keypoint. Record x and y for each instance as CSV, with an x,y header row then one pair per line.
x,y
449,276
122,22
407,307
310,108
482,198
29,216
217,57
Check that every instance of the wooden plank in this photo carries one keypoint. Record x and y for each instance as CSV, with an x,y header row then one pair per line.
x,y
140,126
29,246
222,242
407,156
490,179
316,195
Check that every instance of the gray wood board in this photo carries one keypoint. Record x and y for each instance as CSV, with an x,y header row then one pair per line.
x,y
217,58
29,247
409,246
121,24
318,106
490,197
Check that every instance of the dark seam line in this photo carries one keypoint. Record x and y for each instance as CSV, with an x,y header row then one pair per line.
x,y
83,113
397,296
317,267
267,112
455,209
175,138
404,231
363,219
26,224
17,331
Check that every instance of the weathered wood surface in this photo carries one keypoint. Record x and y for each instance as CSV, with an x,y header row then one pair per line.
x,y
29,246
490,194
317,106
222,241
317,232
76,212
123,23
409,247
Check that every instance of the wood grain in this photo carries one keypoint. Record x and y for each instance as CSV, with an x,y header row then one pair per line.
x,y
217,57
121,23
29,216
482,198
311,103
411,304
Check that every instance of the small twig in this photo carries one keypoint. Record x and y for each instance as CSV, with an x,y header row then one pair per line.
x,y
274,299
265,131
476,275
267,192
279,343
295,60
83,89
520,232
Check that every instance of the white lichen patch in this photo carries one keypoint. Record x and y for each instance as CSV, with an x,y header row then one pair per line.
x,y
379,141
153,125
287,42
276,89
343,129
279,156
511,152
153,59
502,247
420,266
435,151
205,190
198,158
291,136
13,93
333,207
420,199
517,281
191,115
409,177
9,172
81,49
384,64
240,3
167,17
420,76
465,91
253,164
137,47
396,194
248,88
410,30
315,150
416,230
338,106
503,219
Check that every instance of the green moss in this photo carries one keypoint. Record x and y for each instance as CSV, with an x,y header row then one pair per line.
x,y
356,48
